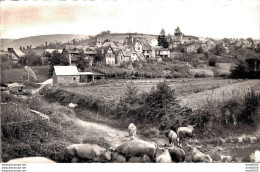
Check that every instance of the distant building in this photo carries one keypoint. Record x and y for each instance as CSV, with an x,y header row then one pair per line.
x,y
159,51
120,57
106,55
71,54
15,54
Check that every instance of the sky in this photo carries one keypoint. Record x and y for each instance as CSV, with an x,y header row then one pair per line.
x,y
202,18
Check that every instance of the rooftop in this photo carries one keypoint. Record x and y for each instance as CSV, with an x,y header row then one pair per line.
x,y
66,70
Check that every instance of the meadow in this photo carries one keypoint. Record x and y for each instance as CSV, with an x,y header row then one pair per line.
x,y
114,89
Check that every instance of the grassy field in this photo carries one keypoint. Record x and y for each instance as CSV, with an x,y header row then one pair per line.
x,y
15,75
196,99
114,89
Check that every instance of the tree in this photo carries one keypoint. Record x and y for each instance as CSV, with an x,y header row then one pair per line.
x,y
30,59
162,39
218,49
56,59
81,62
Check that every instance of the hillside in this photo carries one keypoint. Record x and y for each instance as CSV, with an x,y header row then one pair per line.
x,y
38,40
118,37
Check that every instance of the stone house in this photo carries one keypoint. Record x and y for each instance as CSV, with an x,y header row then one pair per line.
x,y
65,74
70,74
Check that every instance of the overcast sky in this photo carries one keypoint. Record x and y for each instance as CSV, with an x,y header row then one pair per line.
x,y
203,18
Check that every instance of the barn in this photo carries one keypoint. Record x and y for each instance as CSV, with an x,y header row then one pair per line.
x,y
65,74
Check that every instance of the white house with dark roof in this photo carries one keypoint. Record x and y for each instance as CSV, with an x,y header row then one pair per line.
x,y
70,74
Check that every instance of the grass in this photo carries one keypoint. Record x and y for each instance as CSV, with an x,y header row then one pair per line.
x,y
195,100
19,74
114,89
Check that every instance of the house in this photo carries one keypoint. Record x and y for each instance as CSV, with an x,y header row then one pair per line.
x,y
120,57
70,74
106,55
71,54
65,74
15,54
130,53
147,51
112,44
159,51
193,48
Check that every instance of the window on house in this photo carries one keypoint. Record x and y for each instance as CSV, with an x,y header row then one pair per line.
x,y
138,48
74,78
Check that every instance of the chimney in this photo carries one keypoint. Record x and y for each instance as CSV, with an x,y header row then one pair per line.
x,y
46,44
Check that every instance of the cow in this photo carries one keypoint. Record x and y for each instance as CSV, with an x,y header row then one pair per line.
x,y
36,159
132,130
255,157
197,156
165,157
172,137
136,148
188,131
86,152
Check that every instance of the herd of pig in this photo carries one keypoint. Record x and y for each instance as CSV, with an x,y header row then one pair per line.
x,y
135,148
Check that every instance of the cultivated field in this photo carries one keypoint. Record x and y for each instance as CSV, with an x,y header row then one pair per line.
x,y
114,89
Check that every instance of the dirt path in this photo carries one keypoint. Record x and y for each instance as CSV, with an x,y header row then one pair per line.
x,y
195,100
48,81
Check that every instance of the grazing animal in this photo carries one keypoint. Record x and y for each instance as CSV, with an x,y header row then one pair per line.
x,y
86,152
132,130
117,158
165,157
255,157
36,159
188,131
136,148
198,156
172,137
225,158
177,154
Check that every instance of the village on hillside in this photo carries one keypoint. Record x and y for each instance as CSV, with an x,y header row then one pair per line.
x,y
117,50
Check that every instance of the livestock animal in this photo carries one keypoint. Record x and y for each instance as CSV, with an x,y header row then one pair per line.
x,y
172,137
36,159
132,130
255,157
198,156
177,154
86,152
188,131
225,158
136,148
165,157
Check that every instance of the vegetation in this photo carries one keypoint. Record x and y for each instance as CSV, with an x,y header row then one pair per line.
x,y
246,69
